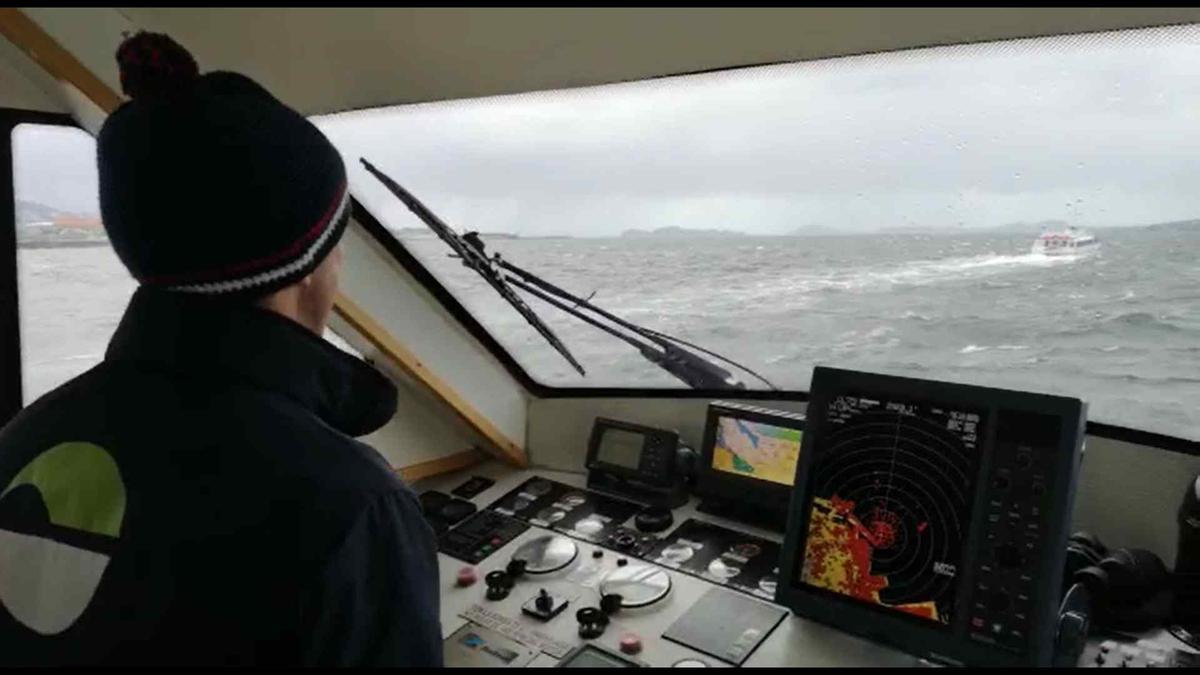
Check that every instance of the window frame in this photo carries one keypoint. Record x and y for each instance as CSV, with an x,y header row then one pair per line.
x,y
11,374
11,395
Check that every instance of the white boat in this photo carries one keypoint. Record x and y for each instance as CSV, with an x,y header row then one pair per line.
x,y
1071,241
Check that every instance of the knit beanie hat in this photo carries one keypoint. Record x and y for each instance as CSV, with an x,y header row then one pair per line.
x,y
210,185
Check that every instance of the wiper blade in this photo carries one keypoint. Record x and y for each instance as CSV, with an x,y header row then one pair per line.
x,y
691,369
666,351
470,251
674,354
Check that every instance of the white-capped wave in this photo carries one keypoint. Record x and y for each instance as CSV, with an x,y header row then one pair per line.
x,y
917,272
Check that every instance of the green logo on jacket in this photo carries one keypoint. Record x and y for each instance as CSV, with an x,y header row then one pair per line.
x,y
60,518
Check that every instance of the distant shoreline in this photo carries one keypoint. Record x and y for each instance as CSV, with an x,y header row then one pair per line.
x,y
62,244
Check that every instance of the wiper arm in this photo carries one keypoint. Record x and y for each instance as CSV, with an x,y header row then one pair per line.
x,y
691,369
663,350
674,354
471,253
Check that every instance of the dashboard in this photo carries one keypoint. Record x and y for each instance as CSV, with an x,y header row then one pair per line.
x,y
899,522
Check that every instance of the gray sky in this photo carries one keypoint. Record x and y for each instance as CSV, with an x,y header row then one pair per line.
x,y
1098,131
56,166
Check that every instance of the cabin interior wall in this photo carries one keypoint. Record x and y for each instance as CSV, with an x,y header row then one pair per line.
x,y
1127,494
414,317
90,34
422,429
23,84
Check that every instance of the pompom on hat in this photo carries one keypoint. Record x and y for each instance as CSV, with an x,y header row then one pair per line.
x,y
209,184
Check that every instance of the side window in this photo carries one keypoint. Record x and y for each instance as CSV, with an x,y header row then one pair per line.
x,y
71,288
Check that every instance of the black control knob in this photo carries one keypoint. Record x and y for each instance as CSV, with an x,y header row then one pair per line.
x,y
499,583
626,540
592,622
654,519
516,567
543,602
611,603
1008,556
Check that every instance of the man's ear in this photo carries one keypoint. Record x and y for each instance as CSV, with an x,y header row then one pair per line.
x,y
307,281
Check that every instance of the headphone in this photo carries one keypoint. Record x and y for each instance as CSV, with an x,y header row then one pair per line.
x,y
1130,589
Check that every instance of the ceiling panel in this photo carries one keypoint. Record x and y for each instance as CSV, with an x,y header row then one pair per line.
x,y
327,60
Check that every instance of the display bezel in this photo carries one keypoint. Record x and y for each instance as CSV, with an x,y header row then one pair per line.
x,y
592,648
715,484
650,435
949,644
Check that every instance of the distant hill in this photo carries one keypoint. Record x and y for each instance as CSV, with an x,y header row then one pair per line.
x,y
35,212
813,231
41,226
1031,228
679,233
1174,224
425,232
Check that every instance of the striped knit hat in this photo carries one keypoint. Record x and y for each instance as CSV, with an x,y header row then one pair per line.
x,y
208,184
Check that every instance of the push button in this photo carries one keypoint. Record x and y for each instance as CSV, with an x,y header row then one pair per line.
x,y
466,577
631,643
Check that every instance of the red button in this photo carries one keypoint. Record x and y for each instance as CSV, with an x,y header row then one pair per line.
x,y
496,541
467,576
630,643
977,622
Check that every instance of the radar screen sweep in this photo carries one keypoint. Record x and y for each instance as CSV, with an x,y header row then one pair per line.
x,y
756,449
892,484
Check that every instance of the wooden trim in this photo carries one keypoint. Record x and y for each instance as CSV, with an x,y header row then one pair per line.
x,y
54,59
436,467
399,356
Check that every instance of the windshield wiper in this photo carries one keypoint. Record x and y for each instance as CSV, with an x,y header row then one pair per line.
x,y
666,351
474,258
695,370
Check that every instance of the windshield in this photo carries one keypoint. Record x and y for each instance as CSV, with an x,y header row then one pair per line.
x,y
879,212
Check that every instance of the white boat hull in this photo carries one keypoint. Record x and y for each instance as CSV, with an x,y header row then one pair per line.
x,y
1065,251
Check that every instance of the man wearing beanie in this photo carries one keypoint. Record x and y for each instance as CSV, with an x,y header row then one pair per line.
x,y
198,497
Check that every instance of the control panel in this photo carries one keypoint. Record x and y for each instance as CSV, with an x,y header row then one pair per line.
x,y
1015,526
517,591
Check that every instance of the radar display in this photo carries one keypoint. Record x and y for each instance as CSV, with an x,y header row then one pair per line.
x,y
891,488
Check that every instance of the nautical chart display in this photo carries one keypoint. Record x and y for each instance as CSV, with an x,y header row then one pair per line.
x,y
891,492
756,449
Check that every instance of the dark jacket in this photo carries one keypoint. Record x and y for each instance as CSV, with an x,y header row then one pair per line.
x,y
197,498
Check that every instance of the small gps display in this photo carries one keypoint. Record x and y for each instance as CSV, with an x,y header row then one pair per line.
x,y
621,448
